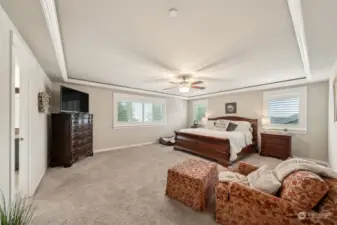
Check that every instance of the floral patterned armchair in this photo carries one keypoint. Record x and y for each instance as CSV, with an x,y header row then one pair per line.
x,y
239,204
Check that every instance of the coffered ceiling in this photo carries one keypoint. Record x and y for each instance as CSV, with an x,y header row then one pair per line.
x,y
228,44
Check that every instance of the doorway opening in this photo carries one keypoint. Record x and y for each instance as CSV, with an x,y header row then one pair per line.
x,y
20,150
17,126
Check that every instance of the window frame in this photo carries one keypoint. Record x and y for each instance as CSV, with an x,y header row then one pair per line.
x,y
300,92
199,102
118,97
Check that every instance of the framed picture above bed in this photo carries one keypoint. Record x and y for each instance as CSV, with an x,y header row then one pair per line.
x,y
230,108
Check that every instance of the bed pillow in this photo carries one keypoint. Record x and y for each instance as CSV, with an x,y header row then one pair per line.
x,y
210,124
243,126
231,126
221,124
264,180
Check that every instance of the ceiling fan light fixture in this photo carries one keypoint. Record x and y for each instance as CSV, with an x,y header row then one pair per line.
x,y
184,89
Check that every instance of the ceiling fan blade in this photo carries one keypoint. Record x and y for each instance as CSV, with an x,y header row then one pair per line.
x,y
197,82
174,82
169,88
215,79
198,87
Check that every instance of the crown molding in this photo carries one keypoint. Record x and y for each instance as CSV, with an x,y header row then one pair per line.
x,y
295,9
50,14
259,87
280,84
122,88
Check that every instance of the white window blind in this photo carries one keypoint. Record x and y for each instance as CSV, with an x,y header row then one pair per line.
x,y
284,111
134,111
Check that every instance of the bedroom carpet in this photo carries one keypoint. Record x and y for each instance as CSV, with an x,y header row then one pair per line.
x,y
119,187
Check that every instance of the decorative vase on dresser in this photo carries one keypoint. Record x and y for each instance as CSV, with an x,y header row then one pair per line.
x,y
276,145
72,138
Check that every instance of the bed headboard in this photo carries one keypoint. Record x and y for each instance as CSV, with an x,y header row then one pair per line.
x,y
254,123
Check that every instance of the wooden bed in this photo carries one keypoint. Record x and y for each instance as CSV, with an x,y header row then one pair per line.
x,y
214,148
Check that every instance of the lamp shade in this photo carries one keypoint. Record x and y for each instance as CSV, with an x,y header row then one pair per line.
x,y
265,121
204,120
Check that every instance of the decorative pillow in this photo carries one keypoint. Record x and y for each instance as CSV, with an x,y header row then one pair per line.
x,y
303,188
231,126
223,124
264,180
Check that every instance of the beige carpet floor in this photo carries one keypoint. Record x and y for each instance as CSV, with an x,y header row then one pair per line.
x,y
119,187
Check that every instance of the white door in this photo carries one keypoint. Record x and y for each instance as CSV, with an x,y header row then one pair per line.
x,y
21,113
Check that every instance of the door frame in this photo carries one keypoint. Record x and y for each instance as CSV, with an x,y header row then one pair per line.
x,y
24,159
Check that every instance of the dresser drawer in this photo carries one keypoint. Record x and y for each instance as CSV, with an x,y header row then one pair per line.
x,y
274,140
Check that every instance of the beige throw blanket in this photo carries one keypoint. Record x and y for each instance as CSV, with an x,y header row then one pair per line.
x,y
291,165
269,181
229,176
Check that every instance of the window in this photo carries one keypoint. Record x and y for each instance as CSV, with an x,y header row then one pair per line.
x,y
199,110
286,109
131,110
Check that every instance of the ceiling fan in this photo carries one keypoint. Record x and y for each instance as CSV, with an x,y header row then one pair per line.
x,y
185,85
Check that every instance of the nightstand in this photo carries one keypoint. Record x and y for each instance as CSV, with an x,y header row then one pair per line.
x,y
276,145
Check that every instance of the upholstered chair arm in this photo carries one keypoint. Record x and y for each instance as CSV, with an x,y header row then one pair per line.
x,y
245,168
222,204
265,203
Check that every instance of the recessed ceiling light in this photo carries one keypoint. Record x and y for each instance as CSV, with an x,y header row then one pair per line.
x,y
173,12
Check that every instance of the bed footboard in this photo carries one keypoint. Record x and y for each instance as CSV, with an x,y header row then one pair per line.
x,y
209,147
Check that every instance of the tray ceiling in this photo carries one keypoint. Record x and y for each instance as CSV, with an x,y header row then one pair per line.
x,y
228,44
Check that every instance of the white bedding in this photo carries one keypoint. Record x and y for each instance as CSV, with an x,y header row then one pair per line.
x,y
237,139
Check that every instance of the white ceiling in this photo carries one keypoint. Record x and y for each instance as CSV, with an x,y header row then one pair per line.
x,y
320,19
27,15
234,43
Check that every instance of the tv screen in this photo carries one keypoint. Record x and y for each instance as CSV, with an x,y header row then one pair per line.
x,y
73,100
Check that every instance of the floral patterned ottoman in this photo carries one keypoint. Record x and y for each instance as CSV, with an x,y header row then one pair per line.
x,y
192,183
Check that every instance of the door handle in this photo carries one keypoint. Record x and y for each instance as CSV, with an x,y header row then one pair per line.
x,y
21,138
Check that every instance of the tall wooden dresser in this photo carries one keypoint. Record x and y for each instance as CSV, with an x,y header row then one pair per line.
x,y
72,138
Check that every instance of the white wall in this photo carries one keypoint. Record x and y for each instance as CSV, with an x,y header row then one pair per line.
x,y
38,82
39,127
5,99
313,145
332,127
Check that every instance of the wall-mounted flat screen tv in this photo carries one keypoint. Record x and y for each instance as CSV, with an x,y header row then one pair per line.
x,y
73,100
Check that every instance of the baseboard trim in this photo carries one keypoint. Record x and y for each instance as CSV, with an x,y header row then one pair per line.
x,y
36,187
123,147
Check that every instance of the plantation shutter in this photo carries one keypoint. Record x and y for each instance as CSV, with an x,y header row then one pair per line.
x,y
130,111
200,112
123,115
284,110
153,112
157,110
